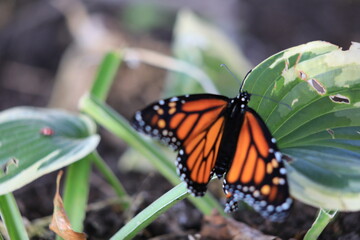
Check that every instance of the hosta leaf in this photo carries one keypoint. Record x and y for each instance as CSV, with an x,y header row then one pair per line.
x,y
35,141
320,134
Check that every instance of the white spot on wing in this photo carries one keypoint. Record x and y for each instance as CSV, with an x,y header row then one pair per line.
x,y
278,156
281,181
282,171
138,116
270,208
285,206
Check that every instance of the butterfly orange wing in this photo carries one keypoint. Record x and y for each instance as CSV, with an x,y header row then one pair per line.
x,y
191,124
197,157
257,174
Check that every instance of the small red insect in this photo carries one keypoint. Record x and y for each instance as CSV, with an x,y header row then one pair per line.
x,y
47,131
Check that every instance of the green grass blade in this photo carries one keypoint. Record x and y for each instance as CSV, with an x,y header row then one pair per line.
x,y
119,126
76,191
322,220
149,214
11,216
106,75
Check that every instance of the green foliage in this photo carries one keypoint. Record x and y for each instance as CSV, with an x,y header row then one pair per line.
x,y
152,16
11,217
321,221
26,153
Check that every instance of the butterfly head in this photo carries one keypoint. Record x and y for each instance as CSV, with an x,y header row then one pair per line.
x,y
244,97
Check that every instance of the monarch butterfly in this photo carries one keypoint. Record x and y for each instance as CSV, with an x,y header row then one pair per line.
x,y
222,136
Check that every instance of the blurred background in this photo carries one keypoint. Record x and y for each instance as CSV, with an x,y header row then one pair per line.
x,y
49,51
36,36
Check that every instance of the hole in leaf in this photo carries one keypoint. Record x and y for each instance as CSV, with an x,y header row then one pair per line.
x,y
287,158
331,132
339,99
302,75
10,165
315,84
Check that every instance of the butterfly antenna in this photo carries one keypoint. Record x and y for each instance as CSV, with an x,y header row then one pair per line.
x,y
273,100
232,74
253,94
229,71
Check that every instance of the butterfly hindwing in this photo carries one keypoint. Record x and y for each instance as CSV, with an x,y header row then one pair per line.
x,y
257,174
197,158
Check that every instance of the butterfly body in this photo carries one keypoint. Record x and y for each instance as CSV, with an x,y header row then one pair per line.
x,y
234,117
222,136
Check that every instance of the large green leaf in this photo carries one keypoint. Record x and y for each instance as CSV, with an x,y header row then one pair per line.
x,y
27,151
320,134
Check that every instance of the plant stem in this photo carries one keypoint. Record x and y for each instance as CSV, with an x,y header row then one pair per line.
x,y
322,220
76,191
106,75
149,214
11,217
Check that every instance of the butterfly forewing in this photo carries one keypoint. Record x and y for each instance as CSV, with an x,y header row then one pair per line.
x,y
257,174
177,120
